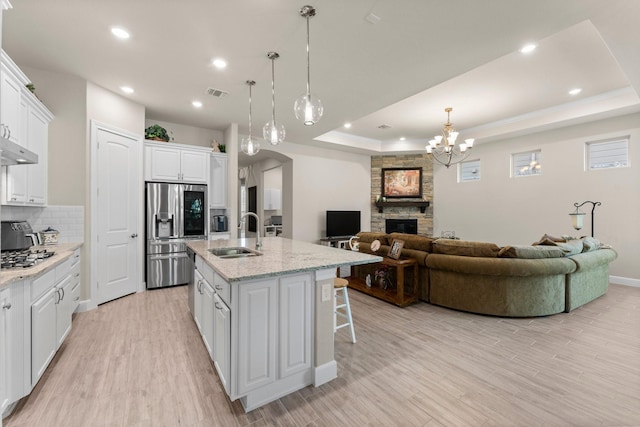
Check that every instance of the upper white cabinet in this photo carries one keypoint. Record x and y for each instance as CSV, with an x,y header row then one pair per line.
x,y
272,199
218,183
170,162
26,122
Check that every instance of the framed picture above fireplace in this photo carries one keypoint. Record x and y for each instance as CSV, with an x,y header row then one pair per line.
x,y
402,182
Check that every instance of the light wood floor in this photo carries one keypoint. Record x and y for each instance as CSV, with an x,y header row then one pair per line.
x,y
139,361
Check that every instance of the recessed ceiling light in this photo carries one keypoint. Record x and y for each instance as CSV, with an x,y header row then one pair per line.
x,y
120,33
197,104
219,63
575,91
126,89
528,48
402,138
347,125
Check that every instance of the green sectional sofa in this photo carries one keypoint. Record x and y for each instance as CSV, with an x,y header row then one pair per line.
x,y
511,281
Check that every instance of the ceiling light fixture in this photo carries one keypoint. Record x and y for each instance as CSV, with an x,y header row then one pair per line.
x,y
443,148
402,138
219,63
197,104
273,132
347,125
126,89
528,48
575,91
249,145
120,33
308,108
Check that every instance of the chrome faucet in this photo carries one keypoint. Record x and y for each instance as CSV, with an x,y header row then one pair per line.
x,y
241,225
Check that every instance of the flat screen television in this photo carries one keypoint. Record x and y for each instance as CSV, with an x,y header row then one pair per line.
x,y
342,223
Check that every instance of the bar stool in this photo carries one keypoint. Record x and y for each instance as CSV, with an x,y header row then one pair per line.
x,y
340,291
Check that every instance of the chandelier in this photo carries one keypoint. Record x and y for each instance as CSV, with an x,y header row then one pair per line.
x,y
443,148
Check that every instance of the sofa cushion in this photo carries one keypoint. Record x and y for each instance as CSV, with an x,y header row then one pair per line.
x,y
414,241
590,244
465,248
569,247
530,252
370,236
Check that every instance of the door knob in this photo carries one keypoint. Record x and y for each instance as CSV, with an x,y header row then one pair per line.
x,y
134,235
6,305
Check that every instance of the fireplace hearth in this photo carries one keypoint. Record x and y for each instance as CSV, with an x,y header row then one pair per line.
x,y
405,225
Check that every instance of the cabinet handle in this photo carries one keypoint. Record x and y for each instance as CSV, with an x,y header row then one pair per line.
x,y
61,298
31,200
76,299
218,287
6,305
134,235
9,130
58,295
218,306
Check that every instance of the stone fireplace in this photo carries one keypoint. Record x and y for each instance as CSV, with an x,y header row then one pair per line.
x,y
424,219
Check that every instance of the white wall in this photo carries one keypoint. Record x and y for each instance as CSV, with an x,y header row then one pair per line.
x,y
317,180
191,135
65,96
520,210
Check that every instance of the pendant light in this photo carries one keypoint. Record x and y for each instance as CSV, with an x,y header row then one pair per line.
x,y
308,107
273,132
249,145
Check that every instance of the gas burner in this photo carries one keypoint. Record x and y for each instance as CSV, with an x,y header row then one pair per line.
x,y
25,258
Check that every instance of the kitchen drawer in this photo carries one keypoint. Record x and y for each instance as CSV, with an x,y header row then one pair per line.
x,y
42,283
205,270
75,258
75,295
63,269
75,273
222,288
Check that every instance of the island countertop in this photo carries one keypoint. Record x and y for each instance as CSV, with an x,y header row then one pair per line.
x,y
279,256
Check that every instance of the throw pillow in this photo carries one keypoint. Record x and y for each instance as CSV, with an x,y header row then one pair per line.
x,y
590,244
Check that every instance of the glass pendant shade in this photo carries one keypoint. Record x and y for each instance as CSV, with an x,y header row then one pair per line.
x,y
577,220
273,132
250,146
308,109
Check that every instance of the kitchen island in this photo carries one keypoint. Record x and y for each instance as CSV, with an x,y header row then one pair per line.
x,y
267,320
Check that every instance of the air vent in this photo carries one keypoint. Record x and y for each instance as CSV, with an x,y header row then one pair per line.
x,y
218,93
384,127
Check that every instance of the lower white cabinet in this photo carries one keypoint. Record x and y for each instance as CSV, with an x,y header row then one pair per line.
x,y
222,341
261,342
5,303
44,342
56,295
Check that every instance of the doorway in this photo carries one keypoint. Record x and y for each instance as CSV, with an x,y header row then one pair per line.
x,y
252,205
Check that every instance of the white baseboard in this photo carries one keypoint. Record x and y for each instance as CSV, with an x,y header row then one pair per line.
x,y
85,305
325,373
617,280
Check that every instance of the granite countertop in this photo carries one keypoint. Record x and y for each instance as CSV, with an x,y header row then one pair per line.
x,y
63,252
279,256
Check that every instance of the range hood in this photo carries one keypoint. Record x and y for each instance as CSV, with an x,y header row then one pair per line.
x,y
14,154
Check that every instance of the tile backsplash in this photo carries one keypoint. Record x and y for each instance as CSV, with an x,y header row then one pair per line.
x,y
68,220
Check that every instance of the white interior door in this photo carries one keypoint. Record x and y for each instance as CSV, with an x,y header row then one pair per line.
x,y
118,209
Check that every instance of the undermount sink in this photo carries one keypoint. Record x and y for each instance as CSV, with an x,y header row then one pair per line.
x,y
235,252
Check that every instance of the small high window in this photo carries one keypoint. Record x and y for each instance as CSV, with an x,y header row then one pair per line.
x,y
613,153
526,164
469,171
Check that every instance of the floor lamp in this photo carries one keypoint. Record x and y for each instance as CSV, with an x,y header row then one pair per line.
x,y
577,217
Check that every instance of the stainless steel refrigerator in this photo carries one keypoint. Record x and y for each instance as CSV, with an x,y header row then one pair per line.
x,y
175,214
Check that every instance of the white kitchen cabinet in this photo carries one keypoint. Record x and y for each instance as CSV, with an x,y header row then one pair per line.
x,y
203,310
218,181
10,112
19,355
24,185
222,341
43,333
51,313
294,308
167,162
5,303
257,329
272,199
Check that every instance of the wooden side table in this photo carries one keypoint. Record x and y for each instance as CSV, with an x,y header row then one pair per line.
x,y
399,296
